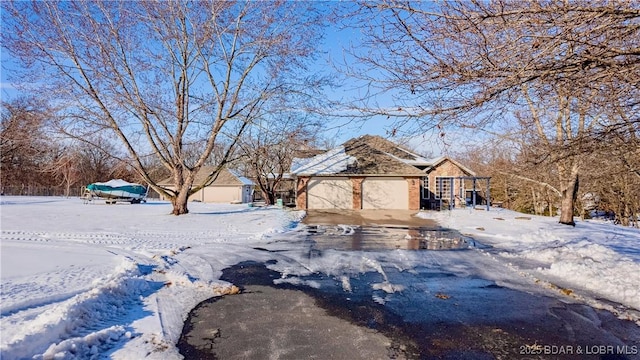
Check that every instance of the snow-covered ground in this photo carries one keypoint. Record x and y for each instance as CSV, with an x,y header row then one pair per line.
x,y
117,281
595,262
96,280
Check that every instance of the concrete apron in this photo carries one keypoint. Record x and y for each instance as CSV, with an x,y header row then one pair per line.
x,y
404,218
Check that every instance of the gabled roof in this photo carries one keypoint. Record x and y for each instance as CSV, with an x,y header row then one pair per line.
x,y
390,148
369,155
366,155
333,161
439,160
225,177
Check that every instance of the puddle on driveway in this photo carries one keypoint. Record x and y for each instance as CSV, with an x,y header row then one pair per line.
x,y
376,238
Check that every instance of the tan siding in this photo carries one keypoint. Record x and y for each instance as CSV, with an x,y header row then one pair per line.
x,y
218,194
223,194
198,196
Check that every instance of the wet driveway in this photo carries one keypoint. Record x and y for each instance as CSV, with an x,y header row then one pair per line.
x,y
381,292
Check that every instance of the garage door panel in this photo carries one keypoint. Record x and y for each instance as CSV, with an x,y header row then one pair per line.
x,y
222,194
385,193
330,193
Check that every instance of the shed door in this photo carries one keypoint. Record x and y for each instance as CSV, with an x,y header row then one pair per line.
x,y
247,194
385,193
329,193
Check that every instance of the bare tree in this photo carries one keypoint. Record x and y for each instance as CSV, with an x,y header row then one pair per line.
x,y
517,182
98,160
615,175
161,76
268,149
23,143
473,63
65,166
78,163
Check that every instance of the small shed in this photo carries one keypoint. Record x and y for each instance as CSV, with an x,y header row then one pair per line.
x,y
228,187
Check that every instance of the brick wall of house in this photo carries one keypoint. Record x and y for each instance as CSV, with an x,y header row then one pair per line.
x,y
414,193
301,192
357,192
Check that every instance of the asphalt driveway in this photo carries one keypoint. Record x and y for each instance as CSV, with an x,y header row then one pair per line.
x,y
468,318
377,285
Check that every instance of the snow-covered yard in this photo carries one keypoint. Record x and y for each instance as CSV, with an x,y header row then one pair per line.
x,y
95,281
595,262
116,280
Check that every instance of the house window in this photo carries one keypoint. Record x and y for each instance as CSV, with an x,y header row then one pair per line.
x,y
443,187
424,188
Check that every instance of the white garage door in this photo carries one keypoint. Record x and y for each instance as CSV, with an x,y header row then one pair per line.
x,y
218,194
330,193
385,193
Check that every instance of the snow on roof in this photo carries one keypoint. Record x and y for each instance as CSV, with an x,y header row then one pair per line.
x,y
435,160
225,177
243,180
330,162
368,154
418,161
287,176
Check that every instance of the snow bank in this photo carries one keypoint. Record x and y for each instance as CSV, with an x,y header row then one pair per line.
x,y
110,298
595,261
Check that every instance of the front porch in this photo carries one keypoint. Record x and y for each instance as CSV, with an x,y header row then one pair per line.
x,y
451,192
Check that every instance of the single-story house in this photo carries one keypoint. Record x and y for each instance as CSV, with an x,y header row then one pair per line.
x,y
371,172
228,187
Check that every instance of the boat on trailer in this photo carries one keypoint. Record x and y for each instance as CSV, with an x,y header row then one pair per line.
x,y
116,190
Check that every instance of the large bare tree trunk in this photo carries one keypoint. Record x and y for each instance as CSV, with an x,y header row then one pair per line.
x,y
180,201
271,198
180,197
267,195
569,190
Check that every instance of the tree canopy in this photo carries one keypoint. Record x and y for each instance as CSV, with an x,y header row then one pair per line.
x,y
172,80
562,73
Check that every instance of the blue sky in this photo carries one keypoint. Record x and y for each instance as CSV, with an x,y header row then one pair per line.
x,y
7,90
340,130
431,143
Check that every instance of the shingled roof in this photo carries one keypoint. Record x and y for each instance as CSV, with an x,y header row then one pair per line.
x,y
225,177
377,156
390,148
366,155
